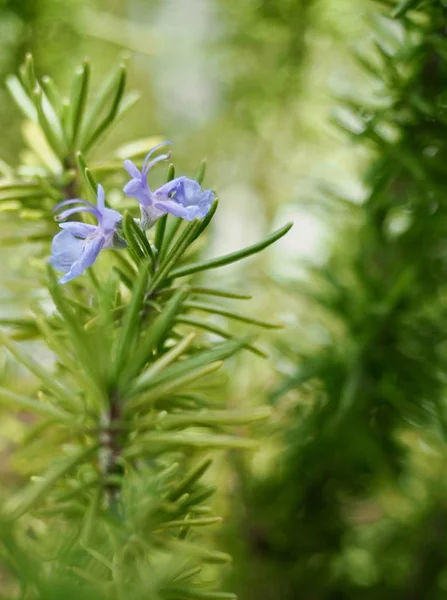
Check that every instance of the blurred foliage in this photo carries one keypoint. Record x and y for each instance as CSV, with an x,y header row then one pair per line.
x,y
39,27
266,54
346,498
104,464
373,393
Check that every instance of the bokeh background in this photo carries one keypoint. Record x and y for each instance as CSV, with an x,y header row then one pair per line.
x,y
346,498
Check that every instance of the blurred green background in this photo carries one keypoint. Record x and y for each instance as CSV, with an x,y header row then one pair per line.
x,y
351,508
248,85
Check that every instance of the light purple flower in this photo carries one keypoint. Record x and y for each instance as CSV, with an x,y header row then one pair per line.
x,y
181,197
76,247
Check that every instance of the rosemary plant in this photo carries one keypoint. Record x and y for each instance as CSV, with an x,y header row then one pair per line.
x,y
126,418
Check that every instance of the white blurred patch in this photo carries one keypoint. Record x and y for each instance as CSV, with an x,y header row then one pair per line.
x,y
241,223
183,71
241,219
306,243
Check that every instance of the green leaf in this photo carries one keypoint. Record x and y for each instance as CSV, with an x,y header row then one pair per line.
x,y
125,280
218,310
52,133
188,574
98,106
137,238
176,252
130,327
214,418
207,326
160,229
91,517
404,7
170,174
154,337
200,173
88,355
21,402
193,550
25,500
219,352
13,186
166,359
17,322
78,490
88,577
78,100
87,174
227,259
52,93
158,441
65,117
195,500
161,389
306,371
161,224
114,92
207,291
55,343
100,558
189,479
127,103
34,367
125,264
28,73
189,365
173,224
134,246
183,593
207,220
200,522
21,98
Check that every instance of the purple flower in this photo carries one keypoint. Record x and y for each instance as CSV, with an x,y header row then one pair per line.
x,y
181,197
76,247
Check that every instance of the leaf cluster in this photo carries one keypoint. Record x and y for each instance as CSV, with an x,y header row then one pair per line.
x,y
125,420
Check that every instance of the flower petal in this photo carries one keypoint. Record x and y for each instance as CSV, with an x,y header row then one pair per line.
x,y
178,210
109,219
149,166
133,188
184,190
206,199
132,169
81,230
72,201
66,249
88,256
183,197
72,211
149,214
100,198
151,152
